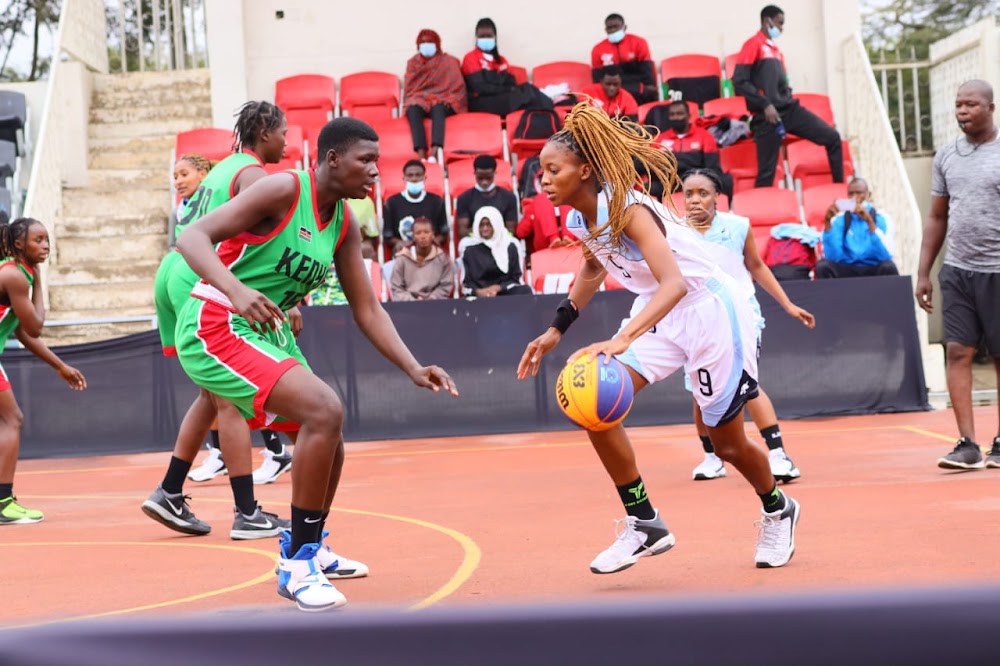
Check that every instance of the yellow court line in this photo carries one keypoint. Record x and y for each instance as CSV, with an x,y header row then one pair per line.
x,y
269,575
928,433
476,449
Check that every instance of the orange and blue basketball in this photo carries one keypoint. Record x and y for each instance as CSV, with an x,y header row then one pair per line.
x,y
594,395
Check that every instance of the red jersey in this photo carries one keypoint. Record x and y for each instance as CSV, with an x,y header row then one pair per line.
x,y
622,104
760,76
630,49
540,224
697,140
477,61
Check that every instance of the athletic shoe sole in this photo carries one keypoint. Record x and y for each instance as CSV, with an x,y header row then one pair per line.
x,y
993,463
21,521
248,535
283,591
795,521
160,515
788,478
951,464
658,548
709,477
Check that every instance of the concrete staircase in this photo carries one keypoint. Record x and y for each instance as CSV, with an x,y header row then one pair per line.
x,y
113,233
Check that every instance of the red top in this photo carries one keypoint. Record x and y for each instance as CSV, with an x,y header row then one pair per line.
x,y
697,139
630,49
476,61
539,223
622,104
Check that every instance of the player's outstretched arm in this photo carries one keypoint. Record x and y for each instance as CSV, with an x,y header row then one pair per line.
x,y
36,346
763,276
372,318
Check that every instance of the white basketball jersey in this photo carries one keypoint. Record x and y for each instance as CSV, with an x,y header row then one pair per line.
x,y
627,265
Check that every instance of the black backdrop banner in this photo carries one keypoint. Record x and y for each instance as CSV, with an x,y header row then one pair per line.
x,y
863,357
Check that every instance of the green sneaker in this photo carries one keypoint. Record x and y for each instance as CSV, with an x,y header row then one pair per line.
x,y
12,513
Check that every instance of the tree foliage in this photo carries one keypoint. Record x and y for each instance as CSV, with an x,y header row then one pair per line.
x,y
915,24
27,19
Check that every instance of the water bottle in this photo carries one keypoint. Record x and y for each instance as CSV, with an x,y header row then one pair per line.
x,y
779,129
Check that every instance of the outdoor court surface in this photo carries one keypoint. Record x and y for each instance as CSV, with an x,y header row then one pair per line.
x,y
514,519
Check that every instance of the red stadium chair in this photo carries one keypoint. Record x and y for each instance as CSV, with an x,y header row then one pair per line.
x,y
818,104
468,134
523,148
697,77
308,100
730,64
722,205
211,143
370,96
740,161
554,270
817,199
520,74
462,177
577,75
760,237
767,206
809,165
294,145
395,142
731,107
391,177
283,165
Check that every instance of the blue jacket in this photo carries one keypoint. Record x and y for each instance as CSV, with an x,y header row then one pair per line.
x,y
860,246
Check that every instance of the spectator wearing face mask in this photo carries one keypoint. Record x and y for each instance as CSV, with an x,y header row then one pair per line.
x,y
692,145
856,241
485,193
760,77
402,209
631,53
610,96
433,87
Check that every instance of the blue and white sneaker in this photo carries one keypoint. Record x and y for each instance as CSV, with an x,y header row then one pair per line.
x,y
332,564
301,580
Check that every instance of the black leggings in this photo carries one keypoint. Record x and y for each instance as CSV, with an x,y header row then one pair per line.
x,y
416,115
800,122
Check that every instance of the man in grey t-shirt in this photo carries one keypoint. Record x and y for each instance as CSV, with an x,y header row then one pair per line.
x,y
965,211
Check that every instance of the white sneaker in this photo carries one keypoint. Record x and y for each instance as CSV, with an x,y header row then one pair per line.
x,y
776,536
301,580
211,467
782,466
636,539
274,465
338,566
711,467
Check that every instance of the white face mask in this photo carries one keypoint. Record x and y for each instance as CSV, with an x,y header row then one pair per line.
x,y
617,36
492,187
428,49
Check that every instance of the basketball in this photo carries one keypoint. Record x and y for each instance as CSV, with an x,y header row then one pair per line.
x,y
594,395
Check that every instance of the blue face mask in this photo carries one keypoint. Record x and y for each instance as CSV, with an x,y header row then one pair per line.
x,y
414,188
428,49
617,36
492,186
773,31
486,43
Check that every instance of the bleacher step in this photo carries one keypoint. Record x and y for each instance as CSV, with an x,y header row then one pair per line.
x,y
173,81
103,300
198,114
145,128
111,226
83,202
124,250
100,272
112,179
56,336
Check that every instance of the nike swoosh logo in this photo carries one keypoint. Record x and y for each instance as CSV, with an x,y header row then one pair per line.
x,y
265,525
174,508
313,521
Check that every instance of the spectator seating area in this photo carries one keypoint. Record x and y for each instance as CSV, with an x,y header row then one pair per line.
x,y
800,193
14,146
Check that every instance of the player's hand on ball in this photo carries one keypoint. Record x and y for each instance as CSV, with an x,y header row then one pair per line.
x,y
610,348
435,379
73,377
259,310
531,360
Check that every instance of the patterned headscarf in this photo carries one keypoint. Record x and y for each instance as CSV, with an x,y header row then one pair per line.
x,y
428,35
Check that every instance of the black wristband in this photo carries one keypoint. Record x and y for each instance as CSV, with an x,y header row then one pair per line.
x,y
566,314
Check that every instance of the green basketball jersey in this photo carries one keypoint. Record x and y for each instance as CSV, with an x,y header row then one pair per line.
x,y
8,319
215,190
292,260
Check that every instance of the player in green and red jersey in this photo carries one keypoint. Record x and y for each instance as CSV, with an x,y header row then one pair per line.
x,y
24,244
275,243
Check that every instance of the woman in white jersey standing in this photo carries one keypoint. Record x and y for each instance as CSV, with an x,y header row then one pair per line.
x,y
687,313
739,258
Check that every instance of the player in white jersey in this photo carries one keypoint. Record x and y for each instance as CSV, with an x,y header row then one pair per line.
x,y
687,313
739,257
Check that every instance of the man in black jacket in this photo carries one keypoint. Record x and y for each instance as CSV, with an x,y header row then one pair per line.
x,y
761,78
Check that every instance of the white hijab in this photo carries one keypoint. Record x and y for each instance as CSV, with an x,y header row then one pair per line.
x,y
499,244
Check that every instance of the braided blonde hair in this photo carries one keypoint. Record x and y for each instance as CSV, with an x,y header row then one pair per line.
x,y
616,148
200,163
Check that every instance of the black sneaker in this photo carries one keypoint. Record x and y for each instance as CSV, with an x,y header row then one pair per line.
x,y
173,512
965,455
261,525
993,457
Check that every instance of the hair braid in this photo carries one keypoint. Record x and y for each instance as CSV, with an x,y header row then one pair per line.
x,y
13,231
620,152
198,161
252,119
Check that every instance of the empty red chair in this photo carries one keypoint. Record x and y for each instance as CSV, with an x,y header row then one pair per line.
x,y
577,75
731,107
468,134
294,145
817,199
391,177
212,143
462,176
554,270
395,142
767,206
520,74
308,100
761,235
698,77
818,104
740,161
809,164
370,96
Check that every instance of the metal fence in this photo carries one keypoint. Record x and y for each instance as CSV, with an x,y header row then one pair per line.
x,y
904,82
156,34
